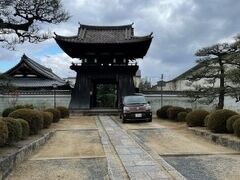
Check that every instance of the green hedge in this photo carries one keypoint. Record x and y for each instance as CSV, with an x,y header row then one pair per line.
x,y
63,111
25,128
3,132
196,118
14,130
56,114
162,112
47,119
206,119
236,127
172,112
33,117
7,111
217,120
230,121
182,116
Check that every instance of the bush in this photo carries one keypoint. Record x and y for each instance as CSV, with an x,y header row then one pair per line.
x,y
236,127
188,110
63,111
217,120
14,130
162,112
3,132
25,128
196,118
7,111
25,106
56,114
182,116
172,112
47,119
230,121
33,117
206,119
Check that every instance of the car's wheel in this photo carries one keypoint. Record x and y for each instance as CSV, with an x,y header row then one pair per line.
x,y
150,120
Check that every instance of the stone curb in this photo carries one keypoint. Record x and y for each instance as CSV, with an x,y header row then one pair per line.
x,y
7,164
217,138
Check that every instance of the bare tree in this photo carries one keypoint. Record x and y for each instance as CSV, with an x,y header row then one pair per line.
x,y
20,20
215,62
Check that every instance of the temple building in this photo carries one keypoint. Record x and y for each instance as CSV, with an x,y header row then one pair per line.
x,y
107,56
30,76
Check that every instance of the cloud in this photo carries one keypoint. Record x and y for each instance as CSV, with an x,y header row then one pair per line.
x,y
59,63
180,27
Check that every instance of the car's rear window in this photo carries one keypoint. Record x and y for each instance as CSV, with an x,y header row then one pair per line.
x,y
134,100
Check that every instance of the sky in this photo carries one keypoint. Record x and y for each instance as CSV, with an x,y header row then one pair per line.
x,y
180,28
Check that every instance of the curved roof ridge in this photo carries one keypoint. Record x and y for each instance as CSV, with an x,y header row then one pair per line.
x,y
105,26
25,57
47,72
42,69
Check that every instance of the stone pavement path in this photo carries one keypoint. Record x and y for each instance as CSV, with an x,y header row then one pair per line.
x,y
137,162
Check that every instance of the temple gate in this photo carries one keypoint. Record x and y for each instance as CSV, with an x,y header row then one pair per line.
x,y
107,55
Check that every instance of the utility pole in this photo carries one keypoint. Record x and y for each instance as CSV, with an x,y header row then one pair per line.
x,y
161,90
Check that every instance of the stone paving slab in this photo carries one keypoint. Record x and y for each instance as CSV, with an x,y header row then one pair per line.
x,y
137,162
116,171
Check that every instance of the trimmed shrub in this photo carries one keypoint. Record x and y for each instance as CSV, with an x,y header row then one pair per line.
x,y
182,116
7,111
3,132
56,114
63,111
230,121
14,130
188,110
25,128
47,119
206,119
162,112
25,106
33,117
196,118
217,120
236,127
172,112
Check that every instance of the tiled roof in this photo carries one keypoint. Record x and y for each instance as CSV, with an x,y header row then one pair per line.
x,y
104,34
45,76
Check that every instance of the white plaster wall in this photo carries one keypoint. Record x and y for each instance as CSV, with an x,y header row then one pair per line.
x,y
40,101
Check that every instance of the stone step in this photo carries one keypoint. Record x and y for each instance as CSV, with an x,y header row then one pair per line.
x,y
95,112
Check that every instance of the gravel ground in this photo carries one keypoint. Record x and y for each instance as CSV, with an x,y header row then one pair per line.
x,y
74,152
211,167
74,169
193,156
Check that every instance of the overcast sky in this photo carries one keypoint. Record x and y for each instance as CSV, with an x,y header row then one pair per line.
x,y
179,27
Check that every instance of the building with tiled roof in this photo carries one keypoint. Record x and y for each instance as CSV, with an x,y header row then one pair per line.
x,y
30,75
107,55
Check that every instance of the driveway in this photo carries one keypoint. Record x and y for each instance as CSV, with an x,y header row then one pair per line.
x,y
101,147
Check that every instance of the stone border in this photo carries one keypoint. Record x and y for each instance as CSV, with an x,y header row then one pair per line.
x,y
8,163
217,138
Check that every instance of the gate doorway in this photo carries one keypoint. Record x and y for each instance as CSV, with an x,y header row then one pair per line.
x,y
105,95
